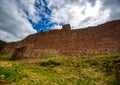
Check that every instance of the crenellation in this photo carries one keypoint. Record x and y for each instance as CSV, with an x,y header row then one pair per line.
x,y
66,27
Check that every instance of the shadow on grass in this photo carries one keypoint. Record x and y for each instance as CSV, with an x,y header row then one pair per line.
x,y
49,63
4,57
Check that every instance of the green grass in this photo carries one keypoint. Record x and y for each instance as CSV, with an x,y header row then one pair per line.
x,y
60,70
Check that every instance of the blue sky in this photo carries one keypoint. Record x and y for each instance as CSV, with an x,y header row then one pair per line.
x,y
45,23
20,18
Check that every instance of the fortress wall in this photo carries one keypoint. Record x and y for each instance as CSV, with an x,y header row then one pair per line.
x,y
10,47
103,39
80,41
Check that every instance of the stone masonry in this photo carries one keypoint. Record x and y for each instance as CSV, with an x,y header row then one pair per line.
x,y
102,39
2,44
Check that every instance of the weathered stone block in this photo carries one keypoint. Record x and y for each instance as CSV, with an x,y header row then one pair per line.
x,y
66,27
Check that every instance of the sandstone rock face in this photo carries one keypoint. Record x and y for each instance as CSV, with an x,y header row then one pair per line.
x,y
102,39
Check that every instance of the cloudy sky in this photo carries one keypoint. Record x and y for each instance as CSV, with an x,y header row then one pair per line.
x,y
20,18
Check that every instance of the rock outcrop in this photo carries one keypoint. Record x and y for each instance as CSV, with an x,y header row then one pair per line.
x,y
102,39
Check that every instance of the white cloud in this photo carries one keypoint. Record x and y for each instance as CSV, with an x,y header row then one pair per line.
x,y
28,6
14,15
57,26
14,24
76,12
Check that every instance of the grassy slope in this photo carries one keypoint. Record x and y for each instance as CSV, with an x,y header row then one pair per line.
x,y
95,70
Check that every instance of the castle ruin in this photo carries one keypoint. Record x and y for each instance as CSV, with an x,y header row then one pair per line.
x,y
102,39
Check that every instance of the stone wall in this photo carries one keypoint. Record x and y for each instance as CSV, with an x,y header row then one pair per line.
x,y
2,44
102,39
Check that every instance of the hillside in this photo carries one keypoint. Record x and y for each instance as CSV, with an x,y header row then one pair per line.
x,y
60,70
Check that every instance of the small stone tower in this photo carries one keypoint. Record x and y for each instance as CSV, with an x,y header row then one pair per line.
x,y
66,27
